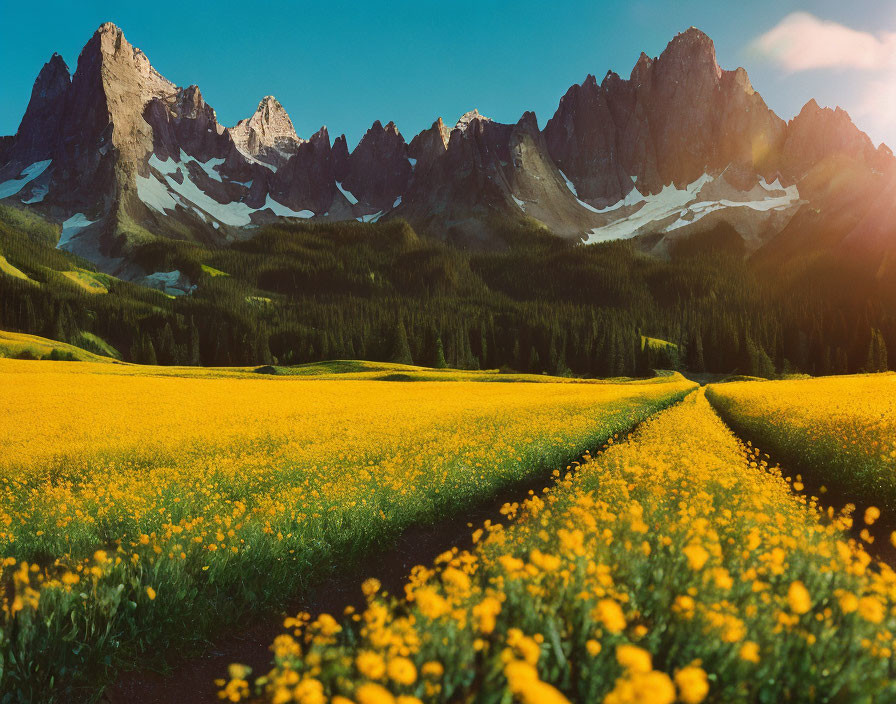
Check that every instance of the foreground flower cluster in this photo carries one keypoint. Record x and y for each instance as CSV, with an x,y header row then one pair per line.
x,y
138,512
841,428
674,566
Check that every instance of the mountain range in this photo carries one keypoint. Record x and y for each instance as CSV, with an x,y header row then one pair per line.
x,y
119,156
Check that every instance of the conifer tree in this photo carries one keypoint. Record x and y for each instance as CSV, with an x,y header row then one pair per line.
x,y
401,351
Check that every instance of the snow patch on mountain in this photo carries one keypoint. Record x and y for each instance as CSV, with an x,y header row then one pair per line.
x,y
283,211
633,198
349,196
174,283
656,211
207,166
37,195
234,213
569,184
26,176
71,228
572,189
154,194
699,210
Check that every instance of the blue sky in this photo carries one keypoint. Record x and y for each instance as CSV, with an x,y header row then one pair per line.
x,y
346,64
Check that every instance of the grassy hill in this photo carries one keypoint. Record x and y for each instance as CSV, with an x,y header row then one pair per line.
x,y
296,294
21,346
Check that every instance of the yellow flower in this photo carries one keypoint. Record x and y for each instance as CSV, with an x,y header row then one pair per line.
x,y
518,672
593,647
371,693
654,688
651,687
456,579
528,648
370,586
485,613
523,681
692,683
697,556
848,601
871,609
798,598
309,691
151,593
430,603
610,615
872,513
402,671
749,651
370,664
327,625
634,659
432,669
548,563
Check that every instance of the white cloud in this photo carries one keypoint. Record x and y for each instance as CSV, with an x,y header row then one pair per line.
x,y
801,42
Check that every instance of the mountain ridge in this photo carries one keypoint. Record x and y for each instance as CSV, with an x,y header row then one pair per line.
x,y
119,155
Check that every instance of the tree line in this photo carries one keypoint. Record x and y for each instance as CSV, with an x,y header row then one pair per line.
x,y
309,293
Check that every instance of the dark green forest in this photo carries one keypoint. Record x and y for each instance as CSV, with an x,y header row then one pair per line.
x,y
307,292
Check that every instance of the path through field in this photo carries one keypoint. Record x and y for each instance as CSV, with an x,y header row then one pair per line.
x,y
192,681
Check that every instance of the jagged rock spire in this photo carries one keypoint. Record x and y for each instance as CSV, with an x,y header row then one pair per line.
x,y
268,135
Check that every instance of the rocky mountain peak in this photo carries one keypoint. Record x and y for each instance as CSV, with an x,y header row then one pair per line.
x,y
268,135
321,137
54,76
378,168
185,122
679,119
442,130
641,71
741,79
818,133
340,157
528,122
109,41
39,131
469,117
190,102
810,108
691,52
430,144
104,138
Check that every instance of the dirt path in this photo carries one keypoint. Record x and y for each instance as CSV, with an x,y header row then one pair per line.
x,y
881,548
192,681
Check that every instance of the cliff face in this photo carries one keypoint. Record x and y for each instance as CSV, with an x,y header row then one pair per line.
x,y
677,117
378,170
268,135
119,153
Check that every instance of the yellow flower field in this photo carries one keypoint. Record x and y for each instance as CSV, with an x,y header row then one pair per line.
x,y
841,429
140,511
673,567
